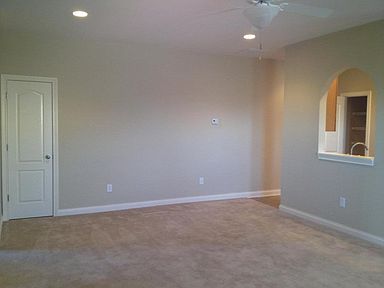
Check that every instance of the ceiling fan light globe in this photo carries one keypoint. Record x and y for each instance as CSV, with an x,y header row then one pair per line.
x,y
261,16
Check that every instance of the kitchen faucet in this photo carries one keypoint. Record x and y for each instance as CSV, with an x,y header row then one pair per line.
x,y
357,144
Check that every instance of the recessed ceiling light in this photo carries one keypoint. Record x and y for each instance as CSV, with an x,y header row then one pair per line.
x,y
249,36
80,13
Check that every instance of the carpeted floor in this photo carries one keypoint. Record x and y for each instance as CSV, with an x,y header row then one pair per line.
x,y
236,244
273,201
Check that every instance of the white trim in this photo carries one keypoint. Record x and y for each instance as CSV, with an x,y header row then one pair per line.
x,y
334,225
55,144
341,117
4,162
264,193
55,137
133,205
346,158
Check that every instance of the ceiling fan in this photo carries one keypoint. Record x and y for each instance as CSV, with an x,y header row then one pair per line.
x,y
260,13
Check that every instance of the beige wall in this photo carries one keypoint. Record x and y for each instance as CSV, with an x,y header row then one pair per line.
x,y
139,117
314,186
354,80
271,90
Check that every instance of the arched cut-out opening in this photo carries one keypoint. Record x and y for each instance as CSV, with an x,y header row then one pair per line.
x,y
346,123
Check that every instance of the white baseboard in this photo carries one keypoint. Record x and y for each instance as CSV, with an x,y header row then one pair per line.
x,y
133,205
334,225
264,193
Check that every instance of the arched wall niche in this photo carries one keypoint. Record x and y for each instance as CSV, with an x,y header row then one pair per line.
x,y
347,116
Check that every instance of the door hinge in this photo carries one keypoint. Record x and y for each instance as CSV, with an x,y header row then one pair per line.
x,y
6,95
8,197
6,147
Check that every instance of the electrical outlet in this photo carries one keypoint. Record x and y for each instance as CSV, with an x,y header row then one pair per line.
x,y
109,188
342,202
201,180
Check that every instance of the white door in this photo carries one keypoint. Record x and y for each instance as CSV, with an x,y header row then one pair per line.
x,y
30,159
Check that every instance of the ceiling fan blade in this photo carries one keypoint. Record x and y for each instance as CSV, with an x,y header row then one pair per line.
x,y
307,10
221,12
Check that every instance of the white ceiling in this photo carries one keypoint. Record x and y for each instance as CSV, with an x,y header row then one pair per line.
x,y
181,23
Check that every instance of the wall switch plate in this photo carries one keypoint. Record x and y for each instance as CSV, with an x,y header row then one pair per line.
x,y
215,121
109,188
342,202
201,180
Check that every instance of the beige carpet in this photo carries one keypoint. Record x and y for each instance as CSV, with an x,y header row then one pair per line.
x,y
273,201
240,243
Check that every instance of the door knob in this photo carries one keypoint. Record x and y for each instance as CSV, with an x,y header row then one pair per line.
x,y
48,156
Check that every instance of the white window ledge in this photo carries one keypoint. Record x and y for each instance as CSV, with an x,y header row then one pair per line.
x,y
346,158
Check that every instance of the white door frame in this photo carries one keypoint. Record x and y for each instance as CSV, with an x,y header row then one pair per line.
x,y
4,140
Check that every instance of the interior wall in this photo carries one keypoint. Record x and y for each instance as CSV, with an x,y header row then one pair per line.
x,y
138,117
271,89
354,80
312,185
